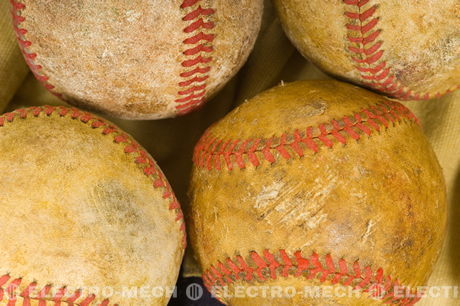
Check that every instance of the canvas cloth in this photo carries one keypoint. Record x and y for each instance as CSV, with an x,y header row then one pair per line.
x,y
274,59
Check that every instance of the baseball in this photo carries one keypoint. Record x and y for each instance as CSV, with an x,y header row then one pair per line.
x,y
87,216
136,59
404,49
317,184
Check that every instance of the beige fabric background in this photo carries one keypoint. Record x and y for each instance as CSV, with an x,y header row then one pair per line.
x,y
12,68
273,59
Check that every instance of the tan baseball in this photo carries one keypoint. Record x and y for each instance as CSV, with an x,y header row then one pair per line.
x,y
136,59
87,216
317,184
405,49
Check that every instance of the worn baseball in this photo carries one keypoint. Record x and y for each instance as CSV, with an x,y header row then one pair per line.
x,y
404,49
87,216
316,184
136,59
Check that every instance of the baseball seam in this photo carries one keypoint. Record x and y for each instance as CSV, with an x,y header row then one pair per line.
x,y
375,72
10,288
131,148
193,87
262,267
213,153
25,44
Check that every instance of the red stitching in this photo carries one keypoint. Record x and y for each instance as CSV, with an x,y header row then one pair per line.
x,y
8,285
362,16
24,45
193,72
211,153
194,80
188,3
196,13
372,68
359,3
199,37
194,89
324,268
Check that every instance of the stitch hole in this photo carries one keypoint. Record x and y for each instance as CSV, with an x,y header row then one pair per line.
x,y
75,114
108,130
63,111
28,290
22,113
104,302
88,300
4,279
36,111
12,287
9,116
120,138
19,19
22,31
59,294
85,118
139,160
97,124
17,5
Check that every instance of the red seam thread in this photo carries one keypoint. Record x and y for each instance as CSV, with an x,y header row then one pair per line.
x,y
212,153
374,71
267,265
198,46
24,45
9,285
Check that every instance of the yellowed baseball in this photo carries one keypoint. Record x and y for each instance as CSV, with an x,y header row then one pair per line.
x,y
405,49
88,218
317,185
136,59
